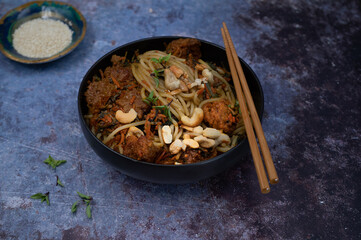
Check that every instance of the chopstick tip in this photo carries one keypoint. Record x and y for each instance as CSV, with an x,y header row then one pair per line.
x,y
266,190
274,181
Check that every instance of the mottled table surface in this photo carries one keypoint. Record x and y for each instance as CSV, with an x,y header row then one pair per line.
x,y
308,59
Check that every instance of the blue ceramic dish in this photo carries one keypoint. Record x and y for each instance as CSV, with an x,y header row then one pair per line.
x,y
46,10
157,173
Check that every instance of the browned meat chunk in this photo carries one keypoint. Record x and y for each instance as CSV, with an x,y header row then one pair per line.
x,y
197,155
121,74
141,149
98,94
132,99
218,115
184,47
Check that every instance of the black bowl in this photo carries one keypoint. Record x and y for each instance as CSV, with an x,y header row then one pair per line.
x,y
170,174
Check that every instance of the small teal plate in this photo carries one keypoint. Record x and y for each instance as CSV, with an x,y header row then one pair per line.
x,y
40,9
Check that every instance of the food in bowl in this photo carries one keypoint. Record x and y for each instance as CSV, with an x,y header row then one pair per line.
x,y
165,107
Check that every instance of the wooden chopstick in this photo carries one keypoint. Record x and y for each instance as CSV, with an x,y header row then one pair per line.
x,y
271,170
257,160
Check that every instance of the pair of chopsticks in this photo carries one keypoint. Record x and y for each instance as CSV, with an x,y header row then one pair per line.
x,y
245,99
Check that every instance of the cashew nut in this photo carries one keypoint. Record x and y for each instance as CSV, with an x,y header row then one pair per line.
x,y
198,130
128,117
196,118
183,86
191,143
186,136
187,128
205,142
170,80
211,133
223,139
176,146
167,134
206,73
196,82
176,70
134,131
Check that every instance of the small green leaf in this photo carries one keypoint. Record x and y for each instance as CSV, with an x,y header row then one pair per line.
x,y
83,196
166,111
74,207
88,211
210,90
150,99
161,59
87,201
237,106
156,81
54,163
59,183
146,101
47,200
42,197
59,162
154,60
166,58
37,196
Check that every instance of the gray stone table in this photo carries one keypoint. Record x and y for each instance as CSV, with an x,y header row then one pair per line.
x,y
307,55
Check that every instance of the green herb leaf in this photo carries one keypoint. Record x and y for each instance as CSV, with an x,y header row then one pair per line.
x,y
161,59
47,199
86,201
58,182
236,105
156,81
165,110
54,163
42,197
88,211
154,60
166,58
210,90
74,207
146,101
150,100
156,72
155,75
37,196
83,196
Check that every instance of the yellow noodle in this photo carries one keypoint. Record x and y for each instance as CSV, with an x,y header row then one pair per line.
x,y
234,141
176,129
192,109
180,133
160,135
185,108
240,131
111,135
142,93
196,100
120,149
188,95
